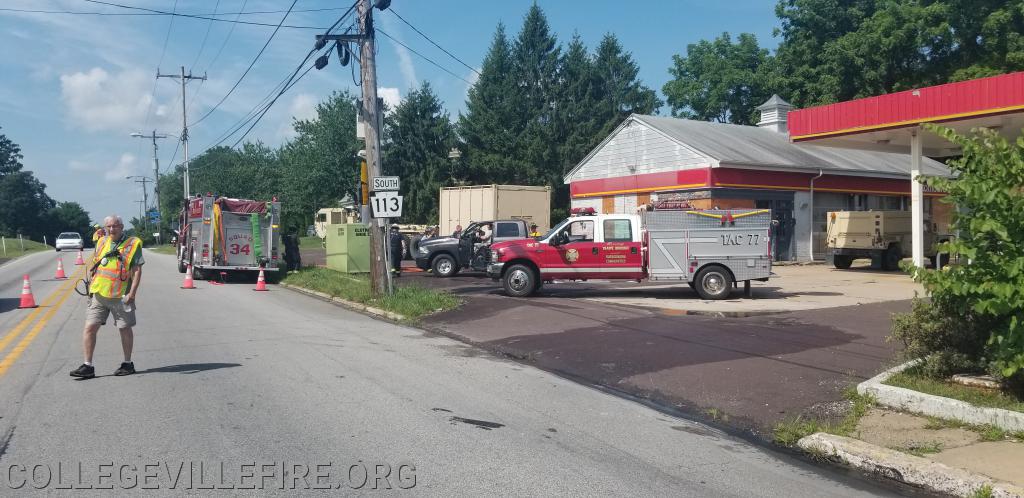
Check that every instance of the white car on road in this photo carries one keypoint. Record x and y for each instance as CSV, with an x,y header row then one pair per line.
x,y
69,240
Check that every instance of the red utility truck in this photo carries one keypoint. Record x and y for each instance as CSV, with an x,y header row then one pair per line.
x,y
708,249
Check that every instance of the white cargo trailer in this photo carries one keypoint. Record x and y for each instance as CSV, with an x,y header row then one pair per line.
x,y
460,206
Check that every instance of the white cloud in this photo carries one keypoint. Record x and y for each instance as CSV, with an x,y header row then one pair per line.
x,y
405,64
392,97
100,101
302,107
125,166
76,165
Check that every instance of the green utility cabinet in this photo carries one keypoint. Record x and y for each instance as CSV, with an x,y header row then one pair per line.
x,y
348,248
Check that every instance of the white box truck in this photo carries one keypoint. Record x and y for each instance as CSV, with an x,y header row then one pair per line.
x,y
460,206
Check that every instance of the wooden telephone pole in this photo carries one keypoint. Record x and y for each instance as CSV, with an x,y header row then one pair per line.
x,y
368,71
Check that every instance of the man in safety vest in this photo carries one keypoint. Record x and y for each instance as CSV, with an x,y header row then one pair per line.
x,y
533,231
97,234
114,280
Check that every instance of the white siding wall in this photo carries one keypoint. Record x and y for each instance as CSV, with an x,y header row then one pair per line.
x,y
637,149
583,203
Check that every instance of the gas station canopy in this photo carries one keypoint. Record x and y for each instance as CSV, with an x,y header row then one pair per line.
x,y
885,122
891,123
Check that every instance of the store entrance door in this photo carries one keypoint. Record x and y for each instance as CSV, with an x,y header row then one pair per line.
x,y
783,226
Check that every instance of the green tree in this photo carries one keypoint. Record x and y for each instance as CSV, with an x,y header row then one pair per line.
x,y
69,217
491,124
535,56
23,200
719,80
577,117
618,88
835,50
418,137
320,166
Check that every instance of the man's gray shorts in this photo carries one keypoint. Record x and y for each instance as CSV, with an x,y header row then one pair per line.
x,y
101,307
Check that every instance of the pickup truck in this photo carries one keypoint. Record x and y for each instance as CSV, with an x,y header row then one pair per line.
x,y
446,256
710,250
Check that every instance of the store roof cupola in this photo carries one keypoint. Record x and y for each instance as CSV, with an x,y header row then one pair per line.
x,y
774,114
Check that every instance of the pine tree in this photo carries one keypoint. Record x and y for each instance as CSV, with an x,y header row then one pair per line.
x,y
487,128
620,90
418,136
535,69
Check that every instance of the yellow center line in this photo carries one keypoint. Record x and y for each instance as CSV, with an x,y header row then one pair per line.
x,y
18,349
25,322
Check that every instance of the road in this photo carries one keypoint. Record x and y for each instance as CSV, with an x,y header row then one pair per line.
x,y
276,384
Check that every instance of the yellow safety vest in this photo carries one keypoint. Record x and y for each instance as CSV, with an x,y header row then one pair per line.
x,y
111,279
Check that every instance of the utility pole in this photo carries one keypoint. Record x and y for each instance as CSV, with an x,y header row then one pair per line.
x,y
145,198
156,166
379,273
184,119
141,218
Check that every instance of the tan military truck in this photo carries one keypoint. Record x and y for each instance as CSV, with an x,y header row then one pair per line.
x,y
882,236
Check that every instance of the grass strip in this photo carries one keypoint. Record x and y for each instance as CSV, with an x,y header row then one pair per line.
x,y
165,249
411,301
977,396
788,432
14,248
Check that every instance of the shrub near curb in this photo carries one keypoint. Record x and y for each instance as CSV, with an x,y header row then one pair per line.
x,y
975,318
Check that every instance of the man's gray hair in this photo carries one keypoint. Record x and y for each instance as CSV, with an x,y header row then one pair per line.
x,y
113,218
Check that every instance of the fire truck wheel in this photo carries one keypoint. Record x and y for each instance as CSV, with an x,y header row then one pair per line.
x,y
519,281
181,266
444,266
713,282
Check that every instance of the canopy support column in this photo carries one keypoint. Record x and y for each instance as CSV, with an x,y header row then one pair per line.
x,y
916,199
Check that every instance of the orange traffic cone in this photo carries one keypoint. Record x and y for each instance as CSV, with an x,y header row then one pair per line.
x,y
261,282
27,299
187,284
60,270
79,261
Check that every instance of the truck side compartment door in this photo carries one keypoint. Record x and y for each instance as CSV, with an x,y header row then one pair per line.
x,y
619,253
577,257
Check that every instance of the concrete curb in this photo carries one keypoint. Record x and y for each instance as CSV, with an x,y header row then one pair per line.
x,y
905,468
936,406
369,310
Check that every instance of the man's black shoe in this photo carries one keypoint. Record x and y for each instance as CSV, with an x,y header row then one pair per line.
x,y
127,368
84,371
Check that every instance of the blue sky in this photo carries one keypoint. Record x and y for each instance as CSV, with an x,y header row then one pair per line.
x,y
75,86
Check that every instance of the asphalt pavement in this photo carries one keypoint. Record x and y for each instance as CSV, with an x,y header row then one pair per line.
x,y
234,383
746,371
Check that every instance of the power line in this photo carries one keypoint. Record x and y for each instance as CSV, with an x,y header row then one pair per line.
x,y
216,57
421,55
208,18
271,104
158,13
206,36
471,68
264,103
251,64
152,93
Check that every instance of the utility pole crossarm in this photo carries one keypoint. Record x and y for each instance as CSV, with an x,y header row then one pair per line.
x,y
184,118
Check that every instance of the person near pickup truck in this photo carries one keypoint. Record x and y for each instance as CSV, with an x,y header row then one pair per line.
x,y
114,281
395,241
533,231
